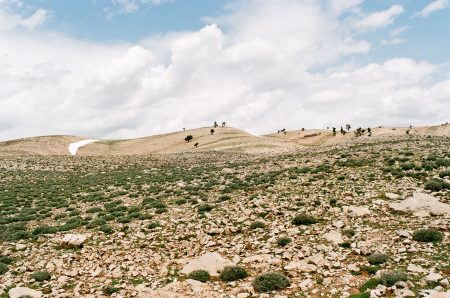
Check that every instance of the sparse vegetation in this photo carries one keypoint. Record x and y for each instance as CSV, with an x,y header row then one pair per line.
x,y
269,282
304,219
233,273
200,275
427,235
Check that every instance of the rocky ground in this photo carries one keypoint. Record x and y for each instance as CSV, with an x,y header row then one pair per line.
x,y
368,219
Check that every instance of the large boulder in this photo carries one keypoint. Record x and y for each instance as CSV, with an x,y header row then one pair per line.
x,y
421,204
24,292
212,262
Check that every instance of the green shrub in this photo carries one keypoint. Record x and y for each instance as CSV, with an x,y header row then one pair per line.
x,y
304,219
257,225
107,229
270,282
390,278
349,233
109,290
427,235
180,202
377,258
370,284
200,275
232,273
44,230
370,269
153,225
360,295
41,276
283,241
205,208
3,268
224,198
6,260
435,184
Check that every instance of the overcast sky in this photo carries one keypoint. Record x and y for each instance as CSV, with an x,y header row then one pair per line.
x,y
130,68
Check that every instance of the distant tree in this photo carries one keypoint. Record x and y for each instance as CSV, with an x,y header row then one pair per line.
x,y
359,132
407,132
369,130
212,131
303,129
224,124
196,145
334,131
189,138
343,132
215,124
348,127
184,129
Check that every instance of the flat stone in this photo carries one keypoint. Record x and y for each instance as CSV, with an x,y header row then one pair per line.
x,y
21,291
334,236
415,269
73,240
358,211
422,204
433,277
212,262
392,196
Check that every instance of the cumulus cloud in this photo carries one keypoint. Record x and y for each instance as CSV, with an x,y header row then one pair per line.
x,y
380,19
432,7
261,66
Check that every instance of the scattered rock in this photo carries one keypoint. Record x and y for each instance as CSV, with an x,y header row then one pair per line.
x,y
212,262
422,204
18,292
73,240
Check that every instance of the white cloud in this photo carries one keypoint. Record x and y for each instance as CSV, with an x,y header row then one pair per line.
x,y
380,19
432,7
10,20
260,68
129,6
393,41
398,31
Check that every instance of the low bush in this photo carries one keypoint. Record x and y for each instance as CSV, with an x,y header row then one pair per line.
x,y
390,278
427,235
377,258
41,276
3,268
304,219
283,241
233,273
270,282
205,208
200,275
257,225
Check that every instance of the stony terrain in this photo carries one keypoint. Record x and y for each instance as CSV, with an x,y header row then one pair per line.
x,y
368,218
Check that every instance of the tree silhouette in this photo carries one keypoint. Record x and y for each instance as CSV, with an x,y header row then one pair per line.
x,y
188,138
212,131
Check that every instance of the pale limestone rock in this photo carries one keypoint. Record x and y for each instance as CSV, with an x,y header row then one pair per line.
x,y
73,240
421,205
433,277
334,236
21,291
400,293
391,196
357,211
415,269
212,262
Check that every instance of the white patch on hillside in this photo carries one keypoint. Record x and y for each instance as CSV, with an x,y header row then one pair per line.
x,y
73,148
254,134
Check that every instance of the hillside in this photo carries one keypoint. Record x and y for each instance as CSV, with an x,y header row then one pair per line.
x,y
224,139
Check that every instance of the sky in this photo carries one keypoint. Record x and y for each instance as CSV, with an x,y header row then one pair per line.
x,y
132,68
